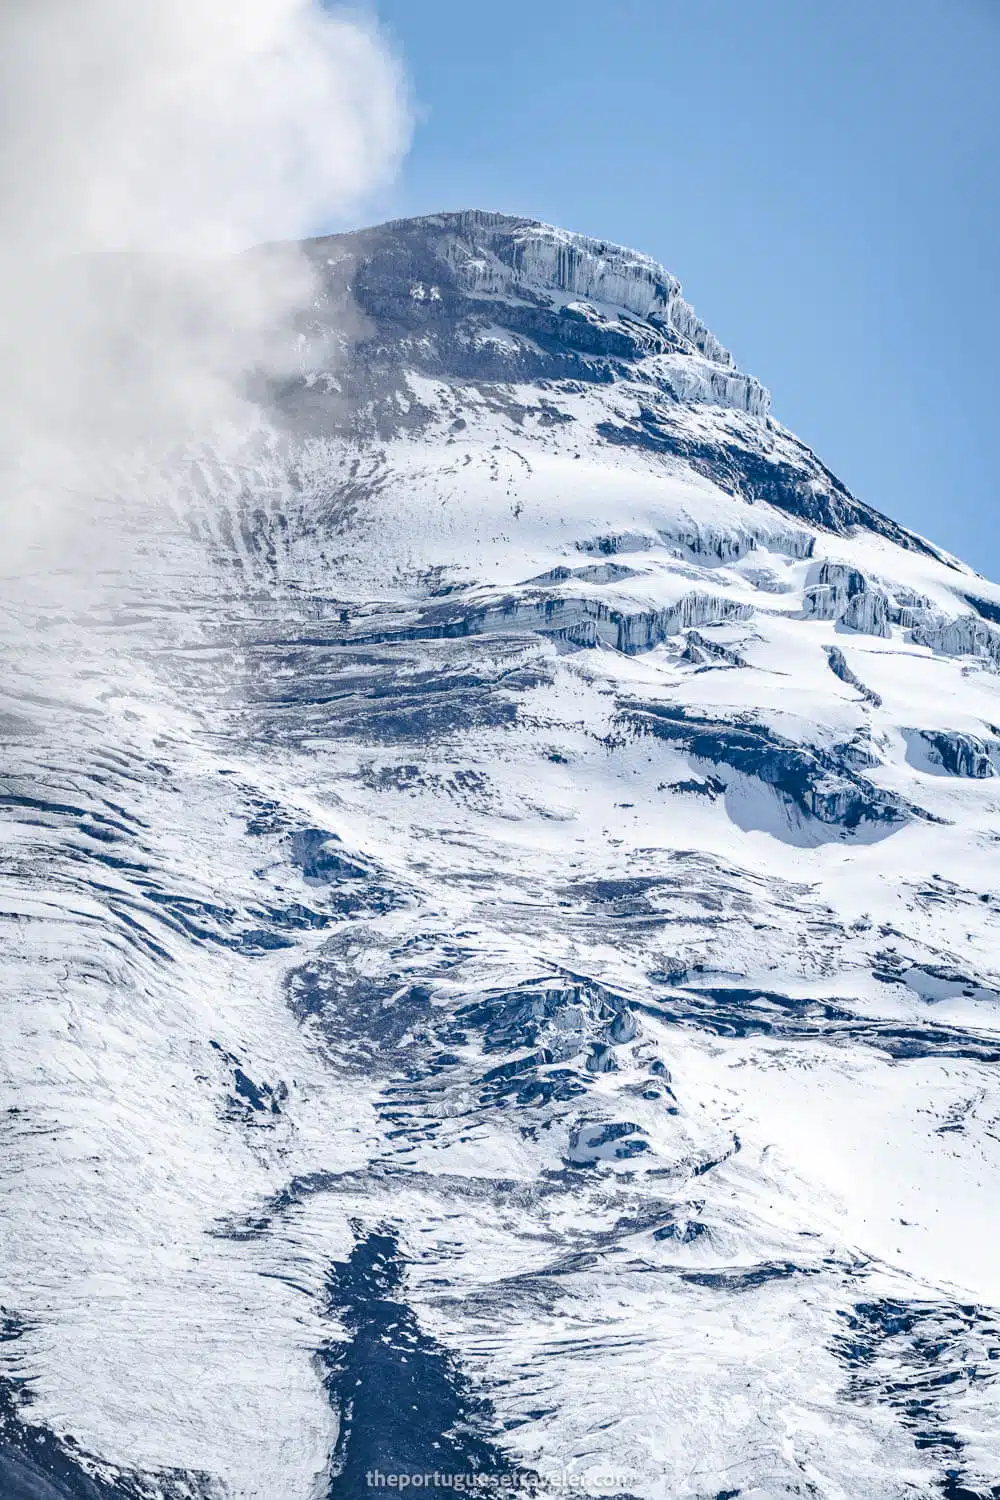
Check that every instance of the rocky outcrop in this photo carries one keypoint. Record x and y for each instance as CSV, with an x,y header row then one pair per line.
x,y
817,782
762,462
563,1015
840,668
959,754
702,652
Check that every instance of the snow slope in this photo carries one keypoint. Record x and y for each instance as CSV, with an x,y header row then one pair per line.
x,y
502,935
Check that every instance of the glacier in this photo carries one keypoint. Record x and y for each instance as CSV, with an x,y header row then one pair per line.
x,y
501,964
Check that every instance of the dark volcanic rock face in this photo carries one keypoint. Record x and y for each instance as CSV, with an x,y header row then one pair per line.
x,y
495,984
492,301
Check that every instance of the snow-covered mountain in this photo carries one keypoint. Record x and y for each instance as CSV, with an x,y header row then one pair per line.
x,y
501,963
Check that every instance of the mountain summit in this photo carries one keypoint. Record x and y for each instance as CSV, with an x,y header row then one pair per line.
x,y
492,300
503,959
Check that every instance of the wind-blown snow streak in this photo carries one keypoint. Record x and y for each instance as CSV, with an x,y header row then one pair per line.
x,y
502,966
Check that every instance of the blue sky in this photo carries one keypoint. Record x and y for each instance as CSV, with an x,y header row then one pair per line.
x,y
822,178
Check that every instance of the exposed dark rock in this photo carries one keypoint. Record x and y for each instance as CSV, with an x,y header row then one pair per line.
x,y
405,1407
681,1232
960,754
806,489
815,781
703,652
617,1141
839,667
735,1012
987,608
918,1357
37,1464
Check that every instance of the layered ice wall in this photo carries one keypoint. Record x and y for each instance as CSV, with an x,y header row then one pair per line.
x,y
537,257
541,257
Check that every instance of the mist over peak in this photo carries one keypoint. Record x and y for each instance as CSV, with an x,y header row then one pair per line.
x,y
141,147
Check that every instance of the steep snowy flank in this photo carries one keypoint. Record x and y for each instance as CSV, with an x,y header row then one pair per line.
x,y
501,965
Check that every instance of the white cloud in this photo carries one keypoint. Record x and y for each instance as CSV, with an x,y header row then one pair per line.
x,y
185,130
176,125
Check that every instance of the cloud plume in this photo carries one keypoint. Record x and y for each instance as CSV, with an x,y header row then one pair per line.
x,y
143,145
